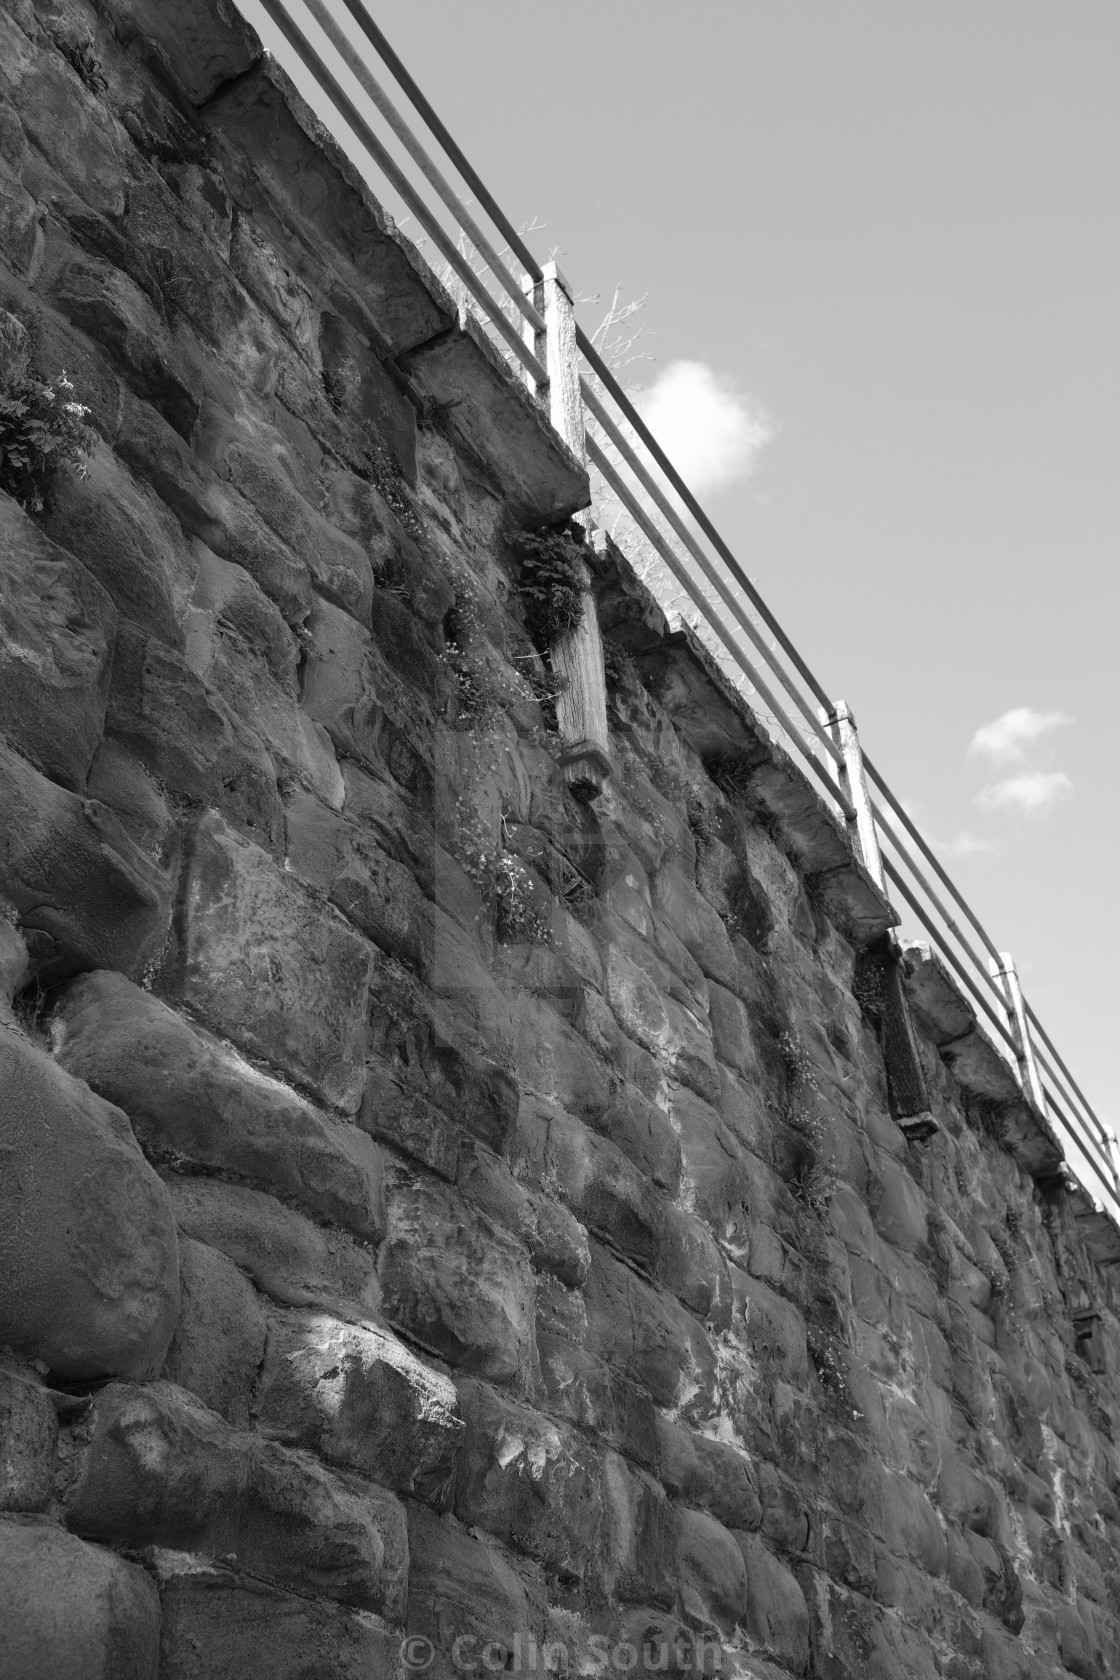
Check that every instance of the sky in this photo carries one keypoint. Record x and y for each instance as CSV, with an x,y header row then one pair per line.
x,y
881,245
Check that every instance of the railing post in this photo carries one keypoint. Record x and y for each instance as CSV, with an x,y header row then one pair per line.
x,y
841,726
1004,972
577,659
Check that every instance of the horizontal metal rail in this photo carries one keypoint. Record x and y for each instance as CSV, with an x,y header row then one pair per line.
x,y
914,871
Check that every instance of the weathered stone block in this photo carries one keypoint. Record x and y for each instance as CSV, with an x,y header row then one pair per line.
x,y
57,627
163,1470
290,1259
203,43
419,1042
639,1541
534,1483
74,875
713,1577
195,1101
28,1439
715,1171
69,1609
775,1612
375,892
605,1190
714,1475
691,1264
696,924
771,1328
264,966
87,1240
210,510
456,1284
556,1242
465,1586
582,1388
188,738
649,1337
219,1341
216,1625
358,1397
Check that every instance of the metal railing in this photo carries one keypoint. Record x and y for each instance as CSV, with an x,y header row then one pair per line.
x,y
497,276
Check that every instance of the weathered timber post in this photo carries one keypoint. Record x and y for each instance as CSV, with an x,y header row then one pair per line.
x,y
841,726
1005,974
905,1075
577,658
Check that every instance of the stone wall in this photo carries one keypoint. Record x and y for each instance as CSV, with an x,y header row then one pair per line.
x,y
436,1209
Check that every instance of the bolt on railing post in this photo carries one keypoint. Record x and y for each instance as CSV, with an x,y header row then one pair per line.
x,y
1005,974
841,725
577,658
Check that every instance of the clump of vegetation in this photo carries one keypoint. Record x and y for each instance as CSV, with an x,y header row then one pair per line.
x,y
551,583
477,697
813,1175
520,917
618,667
43,430
731,772
83,59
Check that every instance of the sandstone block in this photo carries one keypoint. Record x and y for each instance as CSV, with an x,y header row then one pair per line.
x,y
775,1616
900,1217
358,1397
409,1122
556,1242
605,1190
28,1439
692,1266
714,1475
716,1173
209,510
264,965
188,738
219,1341
87,1240
369,711
668,1031
419,1041
194,1100
455,1283
466,1586
642,1131
69,1609
375,892
912,1529
534,1483
695,922
771,1328
293,1261
72,873
639,1542
582,1388
203,43
57,627
712,1574
649,1337
163,1470
220,1626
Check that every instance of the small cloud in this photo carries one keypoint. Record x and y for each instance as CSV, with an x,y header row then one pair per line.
x,y
711,432
1029,793
967,846
1009,738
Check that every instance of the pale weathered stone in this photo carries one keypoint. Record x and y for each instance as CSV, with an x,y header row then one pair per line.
x,y
163,1470
360,1398
87,1239
70,1609
713,1577
775,1614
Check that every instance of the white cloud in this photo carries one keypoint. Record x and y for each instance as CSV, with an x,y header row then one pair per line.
x,y
1030,792
967,846
1009,738
711,432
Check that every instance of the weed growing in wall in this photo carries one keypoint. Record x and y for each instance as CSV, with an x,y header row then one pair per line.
x,y
813,1174
551,583
618,667
43,430
520,916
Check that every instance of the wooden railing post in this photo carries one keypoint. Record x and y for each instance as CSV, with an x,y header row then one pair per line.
x,y
1004,972
577,658
841,726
